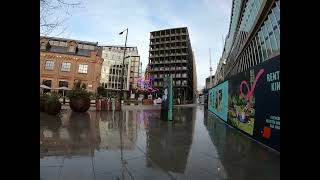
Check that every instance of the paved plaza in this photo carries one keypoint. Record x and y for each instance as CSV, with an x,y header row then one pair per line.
x,y
136,144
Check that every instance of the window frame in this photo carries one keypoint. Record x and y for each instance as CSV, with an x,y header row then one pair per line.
x,y
62,68
46,67
81,70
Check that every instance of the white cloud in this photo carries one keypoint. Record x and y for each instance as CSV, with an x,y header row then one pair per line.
x,y
207,21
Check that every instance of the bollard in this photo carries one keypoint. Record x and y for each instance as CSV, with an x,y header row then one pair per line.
x,y
98,105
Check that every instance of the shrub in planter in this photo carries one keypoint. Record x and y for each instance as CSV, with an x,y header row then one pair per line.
x,y
53,105
79,99
101,91
43,99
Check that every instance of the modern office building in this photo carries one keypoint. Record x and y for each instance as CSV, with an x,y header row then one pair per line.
x,y
170,53
254,36
112,69
65,61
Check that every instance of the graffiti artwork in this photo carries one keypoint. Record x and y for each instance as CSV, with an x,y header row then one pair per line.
x,y
242,101
146,84
218,100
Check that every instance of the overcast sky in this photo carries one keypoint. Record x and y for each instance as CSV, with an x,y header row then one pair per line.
x,y
102,20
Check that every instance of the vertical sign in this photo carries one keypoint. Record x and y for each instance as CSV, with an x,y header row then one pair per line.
x,y
167,98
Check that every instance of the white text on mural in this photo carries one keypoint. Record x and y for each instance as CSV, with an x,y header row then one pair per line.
x,y
274,122
274,78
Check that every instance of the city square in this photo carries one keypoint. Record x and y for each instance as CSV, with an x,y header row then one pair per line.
x,y
131,93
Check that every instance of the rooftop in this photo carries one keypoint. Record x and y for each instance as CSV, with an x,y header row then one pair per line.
x,y
170,29
64,39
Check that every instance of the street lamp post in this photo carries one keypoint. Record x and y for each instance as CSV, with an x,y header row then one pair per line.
x,y
124,57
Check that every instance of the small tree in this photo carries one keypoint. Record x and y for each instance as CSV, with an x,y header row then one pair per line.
x,y
102,91
54,13
77,85
84,86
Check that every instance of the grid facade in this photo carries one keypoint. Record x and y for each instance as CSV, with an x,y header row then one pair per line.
x,y
170,53
112,67
254,35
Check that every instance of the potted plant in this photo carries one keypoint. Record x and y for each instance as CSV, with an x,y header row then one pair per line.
x,y
43,99
79,99
52,105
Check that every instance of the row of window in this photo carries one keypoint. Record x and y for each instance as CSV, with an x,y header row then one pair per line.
x,y
158,41
64,44
169,61
174,82
169,58
66,66
62,83
116,79
113,85
233,24
120,48
265,44
249,16
116,56
169,68
161,52
167,54
172,38
168,32
169,45
173,75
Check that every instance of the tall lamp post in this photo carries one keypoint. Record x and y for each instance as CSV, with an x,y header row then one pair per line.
x,y
124,57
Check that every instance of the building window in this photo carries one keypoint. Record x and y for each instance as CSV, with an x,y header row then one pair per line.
x,y
47,83
64,44
63,84
43,45
71,49
49,65
66,66
83,68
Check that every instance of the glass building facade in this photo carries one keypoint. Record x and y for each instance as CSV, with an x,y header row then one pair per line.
x,y
254,35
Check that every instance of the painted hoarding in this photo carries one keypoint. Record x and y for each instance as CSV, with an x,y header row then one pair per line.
x,y
218,100
254,102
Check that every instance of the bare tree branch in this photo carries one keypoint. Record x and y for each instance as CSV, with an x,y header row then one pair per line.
x,y
53,14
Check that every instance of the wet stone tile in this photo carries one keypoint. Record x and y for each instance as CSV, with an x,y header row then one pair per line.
x,y
77,169
50,173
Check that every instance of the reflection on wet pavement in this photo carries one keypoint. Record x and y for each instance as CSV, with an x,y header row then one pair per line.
x,y
136,144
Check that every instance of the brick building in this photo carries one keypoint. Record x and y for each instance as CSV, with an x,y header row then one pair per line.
x,y
65,61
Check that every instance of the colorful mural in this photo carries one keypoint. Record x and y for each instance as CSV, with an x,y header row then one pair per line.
x,y
218,100
242,100
253,102
267,93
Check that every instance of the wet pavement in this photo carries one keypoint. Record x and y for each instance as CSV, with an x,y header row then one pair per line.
x,y
136,144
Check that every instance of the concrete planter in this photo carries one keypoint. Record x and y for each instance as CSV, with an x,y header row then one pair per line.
x,y
147,102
